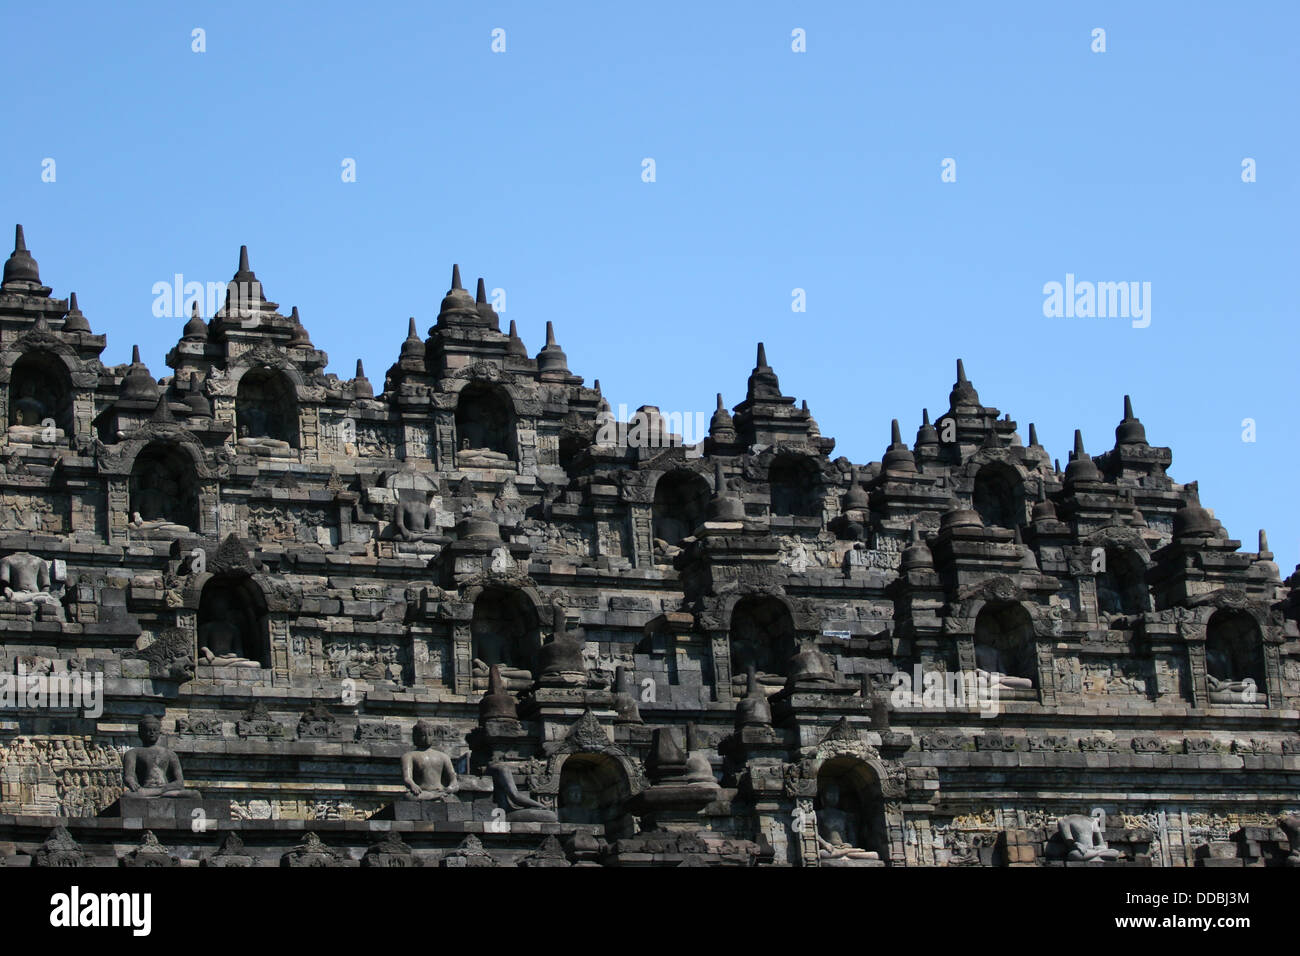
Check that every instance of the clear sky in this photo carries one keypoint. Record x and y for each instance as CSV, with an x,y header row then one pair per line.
x,y
774,170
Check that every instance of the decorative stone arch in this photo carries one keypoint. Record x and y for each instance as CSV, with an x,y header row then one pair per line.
x,y
796,485
118,462
1120,588
593,787
164,485
637,489
680,503
1235,650
485,416
844,756
528,609
997,489
1045,628
267,405
766,636
1268,628
860,780
266,618
264,357
588,743
308,394
40,370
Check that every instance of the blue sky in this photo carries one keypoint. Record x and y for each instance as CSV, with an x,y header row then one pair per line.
x,y
775,170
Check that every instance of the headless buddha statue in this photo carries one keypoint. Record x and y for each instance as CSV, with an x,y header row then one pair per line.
x,y
837,829
26,579
518,806
1084,837
415,520
152,770
427,771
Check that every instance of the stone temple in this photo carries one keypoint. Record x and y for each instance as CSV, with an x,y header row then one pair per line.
x,y
467,619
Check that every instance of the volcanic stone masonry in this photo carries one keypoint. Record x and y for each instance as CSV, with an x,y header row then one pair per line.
x,y
453,622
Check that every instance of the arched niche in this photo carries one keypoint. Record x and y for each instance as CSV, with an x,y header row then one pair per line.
x,y
164,487
485,421
795,484
1121,586
1234,657
504,630
762,636
593,788
1004,641
40,392
680,503
850,806
997,496
232,622
266,407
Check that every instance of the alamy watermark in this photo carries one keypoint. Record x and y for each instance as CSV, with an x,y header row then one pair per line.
x,y
650,428
1099,300
946,690
65,690
176,299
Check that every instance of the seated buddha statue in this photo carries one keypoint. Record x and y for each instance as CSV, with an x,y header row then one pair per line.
x,y
516,679
837,829
414,519
253,437
426,770
26,579
990,666
152,770
220,636
1084,837
32,423
151,502
518,806
1223,688
467,457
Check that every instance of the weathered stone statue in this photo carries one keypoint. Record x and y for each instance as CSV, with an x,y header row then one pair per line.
x,y
1084,837
152,770
427,771
518,806
665,553
32,422
220,637
468,457
414,519
516,679
990,667
1224,688
152,500
261,444
837,829
26,579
